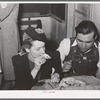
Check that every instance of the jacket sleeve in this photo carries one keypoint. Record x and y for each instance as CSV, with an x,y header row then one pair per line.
x,y
56,62
23,78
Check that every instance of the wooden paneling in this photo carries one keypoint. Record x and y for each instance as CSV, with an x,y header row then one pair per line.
x,y
76,13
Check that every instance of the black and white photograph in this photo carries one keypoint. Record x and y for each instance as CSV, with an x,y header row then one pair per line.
x,y
50,48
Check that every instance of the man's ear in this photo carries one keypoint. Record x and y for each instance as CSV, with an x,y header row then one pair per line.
x,y
95,37
27,50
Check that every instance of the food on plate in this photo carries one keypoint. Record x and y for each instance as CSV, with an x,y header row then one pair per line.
x,y
67,81
79,83
70,81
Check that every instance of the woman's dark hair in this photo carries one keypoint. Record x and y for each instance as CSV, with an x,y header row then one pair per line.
x,y
86,27
27,43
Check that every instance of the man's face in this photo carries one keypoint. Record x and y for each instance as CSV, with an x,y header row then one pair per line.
x,y
85,42
37,49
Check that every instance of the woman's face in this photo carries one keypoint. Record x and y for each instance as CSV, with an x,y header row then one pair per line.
x,y
37,49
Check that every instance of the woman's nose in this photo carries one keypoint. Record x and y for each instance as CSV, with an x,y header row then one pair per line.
x,y
42,51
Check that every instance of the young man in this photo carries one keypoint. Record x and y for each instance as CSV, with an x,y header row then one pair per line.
x,y
79,55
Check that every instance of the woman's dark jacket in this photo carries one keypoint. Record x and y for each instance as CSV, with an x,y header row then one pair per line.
x,y
24,80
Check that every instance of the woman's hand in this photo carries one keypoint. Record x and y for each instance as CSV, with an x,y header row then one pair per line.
x,y
39,62
55,78
67,66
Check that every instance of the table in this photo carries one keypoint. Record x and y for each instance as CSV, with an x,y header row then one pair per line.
x,y
92,83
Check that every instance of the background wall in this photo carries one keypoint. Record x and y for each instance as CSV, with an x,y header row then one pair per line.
x,y
56,29
52,17
96,15
46,25
40,8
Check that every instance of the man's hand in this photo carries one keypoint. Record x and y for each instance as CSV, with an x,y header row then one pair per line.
x,y
55,78
67,66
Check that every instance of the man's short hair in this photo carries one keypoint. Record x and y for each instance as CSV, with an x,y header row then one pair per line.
x,y
86,27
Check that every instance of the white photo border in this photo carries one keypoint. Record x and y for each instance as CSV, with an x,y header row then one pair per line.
x,y
51,94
